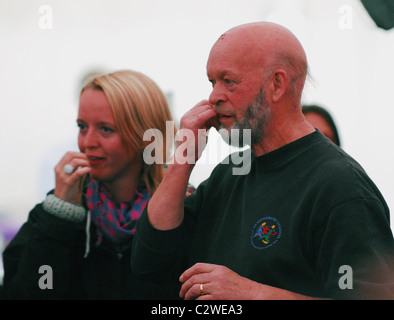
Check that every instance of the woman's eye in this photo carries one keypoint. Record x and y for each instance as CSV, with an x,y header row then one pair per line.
x,y
107,129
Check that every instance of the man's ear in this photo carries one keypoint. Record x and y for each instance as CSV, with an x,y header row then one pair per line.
x,y
279,84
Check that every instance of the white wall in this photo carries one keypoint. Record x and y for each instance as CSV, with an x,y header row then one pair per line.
x,y
169,40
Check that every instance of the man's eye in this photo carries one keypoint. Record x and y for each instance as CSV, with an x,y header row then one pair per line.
x,y
228,81
81,126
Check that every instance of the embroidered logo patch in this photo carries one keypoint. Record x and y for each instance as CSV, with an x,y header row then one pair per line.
x,y
265,233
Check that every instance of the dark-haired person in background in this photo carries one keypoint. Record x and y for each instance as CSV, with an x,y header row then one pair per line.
x,y
321,119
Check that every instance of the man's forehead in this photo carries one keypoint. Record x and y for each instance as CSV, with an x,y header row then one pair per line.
x,y
238,44
235,69
221,62
229,56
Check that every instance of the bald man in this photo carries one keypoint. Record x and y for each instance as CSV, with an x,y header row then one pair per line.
x,y
301,223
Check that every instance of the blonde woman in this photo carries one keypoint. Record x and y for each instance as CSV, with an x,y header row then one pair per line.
x,y
82,232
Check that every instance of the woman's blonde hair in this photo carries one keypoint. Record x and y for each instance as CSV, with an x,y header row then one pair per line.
x,y
137,104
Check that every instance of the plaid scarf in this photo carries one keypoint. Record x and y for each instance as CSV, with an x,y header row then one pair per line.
x,y
115,221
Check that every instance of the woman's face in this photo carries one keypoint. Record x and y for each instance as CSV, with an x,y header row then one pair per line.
x,y
111,160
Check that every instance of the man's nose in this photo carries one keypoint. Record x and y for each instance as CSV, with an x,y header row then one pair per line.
x,y
217,96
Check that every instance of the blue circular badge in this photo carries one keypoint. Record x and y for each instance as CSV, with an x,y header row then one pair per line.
x,y
265,233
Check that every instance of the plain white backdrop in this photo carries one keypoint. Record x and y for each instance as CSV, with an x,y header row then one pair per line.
x,y
47,47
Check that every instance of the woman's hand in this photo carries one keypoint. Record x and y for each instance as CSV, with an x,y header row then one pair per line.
x,y
68,186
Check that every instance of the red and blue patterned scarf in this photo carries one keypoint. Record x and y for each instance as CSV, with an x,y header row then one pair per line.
x,y
115,221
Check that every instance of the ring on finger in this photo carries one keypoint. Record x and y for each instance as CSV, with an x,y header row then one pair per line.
x,y
202,289
69,169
